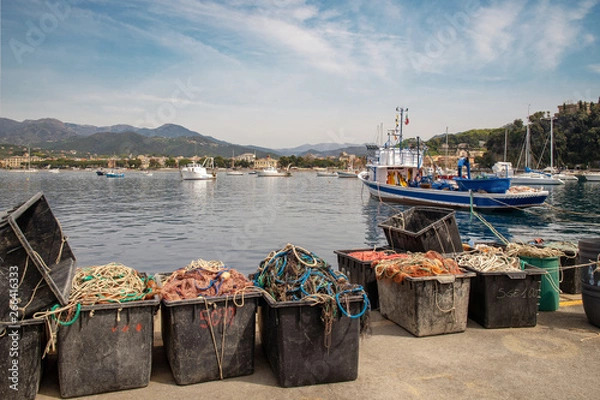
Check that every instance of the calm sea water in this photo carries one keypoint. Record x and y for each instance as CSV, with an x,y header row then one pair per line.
x,y
160,223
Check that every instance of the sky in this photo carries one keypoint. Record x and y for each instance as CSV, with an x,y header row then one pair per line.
x,y
280,74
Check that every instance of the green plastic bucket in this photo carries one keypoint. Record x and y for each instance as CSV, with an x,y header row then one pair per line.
x,y
549,291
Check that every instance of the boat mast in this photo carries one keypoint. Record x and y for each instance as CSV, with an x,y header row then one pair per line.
x,y
401,110
527,151
446,159
505,142
551,119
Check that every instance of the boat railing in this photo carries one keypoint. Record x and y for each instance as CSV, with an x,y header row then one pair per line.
x,y
396,156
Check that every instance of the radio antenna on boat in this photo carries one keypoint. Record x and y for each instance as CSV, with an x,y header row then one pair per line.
x,y
398,133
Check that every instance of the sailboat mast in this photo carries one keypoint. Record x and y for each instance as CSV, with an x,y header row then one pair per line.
x,y
446,159
551,119
505,142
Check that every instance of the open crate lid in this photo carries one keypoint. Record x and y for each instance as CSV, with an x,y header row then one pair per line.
x,y
40,234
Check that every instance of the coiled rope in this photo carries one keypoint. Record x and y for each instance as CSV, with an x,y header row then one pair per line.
x,y
488,262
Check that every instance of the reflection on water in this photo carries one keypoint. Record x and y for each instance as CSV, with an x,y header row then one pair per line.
x,y
160,223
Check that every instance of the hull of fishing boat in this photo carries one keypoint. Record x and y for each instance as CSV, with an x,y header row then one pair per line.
x,y
454,198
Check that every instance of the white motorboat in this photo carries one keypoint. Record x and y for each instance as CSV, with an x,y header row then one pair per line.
x,y
331,174
272,171
350,173
504,169
195,171
591,176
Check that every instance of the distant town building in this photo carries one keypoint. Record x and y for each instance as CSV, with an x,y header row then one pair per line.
x,y
262,163
249,157
16,162
570,108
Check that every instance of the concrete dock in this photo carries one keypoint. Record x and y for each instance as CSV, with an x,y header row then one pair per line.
x,y
557,359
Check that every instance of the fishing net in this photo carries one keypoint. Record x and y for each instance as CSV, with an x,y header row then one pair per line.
x,y
374,255
204,279
295,274
415,265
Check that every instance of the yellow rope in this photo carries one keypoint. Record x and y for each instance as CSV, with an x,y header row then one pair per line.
x,y
526,250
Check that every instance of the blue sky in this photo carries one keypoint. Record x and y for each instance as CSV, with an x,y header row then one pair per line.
x,y
285,73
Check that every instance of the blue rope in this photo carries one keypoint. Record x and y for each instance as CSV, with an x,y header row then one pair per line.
x,y
365,302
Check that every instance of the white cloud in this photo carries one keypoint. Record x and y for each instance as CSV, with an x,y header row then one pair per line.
x,y
492,31
594,68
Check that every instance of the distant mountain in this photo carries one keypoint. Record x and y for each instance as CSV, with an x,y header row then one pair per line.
x,y
87,130
131,143
34,131
320,148
166,130
122,139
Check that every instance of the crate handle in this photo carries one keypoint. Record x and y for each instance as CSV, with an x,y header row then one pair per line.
x,y
445,279
451,309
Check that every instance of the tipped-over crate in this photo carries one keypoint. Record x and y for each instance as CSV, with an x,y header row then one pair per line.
x,y
36,262
420,229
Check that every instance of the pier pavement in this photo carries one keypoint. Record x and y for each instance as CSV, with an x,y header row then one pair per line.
x,y
559,358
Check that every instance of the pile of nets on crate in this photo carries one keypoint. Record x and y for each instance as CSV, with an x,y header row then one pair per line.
x,y
203,278
374,255
533,251
489,260
102,284
110,283
415,265
503,258
294,274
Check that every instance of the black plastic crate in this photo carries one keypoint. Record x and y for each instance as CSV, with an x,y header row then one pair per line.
x,y
107,348
420,229
571,279
192,328
360,272
293,339
426,306
21,347
505,299
35,257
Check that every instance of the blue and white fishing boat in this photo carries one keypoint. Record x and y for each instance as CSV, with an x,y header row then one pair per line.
x,y
396,174
114,174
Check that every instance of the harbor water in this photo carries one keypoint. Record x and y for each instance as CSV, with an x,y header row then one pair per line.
x,y
158,223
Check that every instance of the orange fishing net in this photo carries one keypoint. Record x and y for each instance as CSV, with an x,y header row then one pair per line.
x,y
415,265
373,255
202,279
